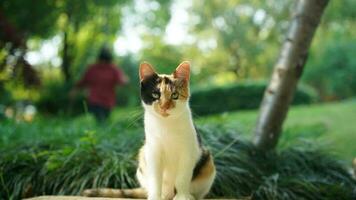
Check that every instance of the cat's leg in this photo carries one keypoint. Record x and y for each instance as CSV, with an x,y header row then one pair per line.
x,y
154,174
202,183
142,168
183,179
201,187
168,183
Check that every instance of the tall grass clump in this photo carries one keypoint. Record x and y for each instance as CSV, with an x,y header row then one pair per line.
x,y
294,172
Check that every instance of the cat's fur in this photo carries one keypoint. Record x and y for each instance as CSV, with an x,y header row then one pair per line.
x,y
172,162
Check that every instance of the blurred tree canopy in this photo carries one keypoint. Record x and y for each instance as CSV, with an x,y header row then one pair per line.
x,y
331,66
31,19
237,40
84,25
242,36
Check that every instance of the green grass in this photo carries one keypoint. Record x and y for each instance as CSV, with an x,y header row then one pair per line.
x,y
96,160
65,155
335,124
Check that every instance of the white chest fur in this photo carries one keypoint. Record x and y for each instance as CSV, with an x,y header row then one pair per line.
x,y
172,137
171,152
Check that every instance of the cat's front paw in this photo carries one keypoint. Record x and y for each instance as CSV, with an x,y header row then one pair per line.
x,y
183,197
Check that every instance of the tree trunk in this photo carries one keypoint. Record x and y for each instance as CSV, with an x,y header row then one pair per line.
x,y
66,57
287,71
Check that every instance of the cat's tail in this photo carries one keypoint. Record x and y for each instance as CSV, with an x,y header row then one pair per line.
x,y
136,193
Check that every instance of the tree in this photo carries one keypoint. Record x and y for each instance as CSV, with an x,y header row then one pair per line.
x,y
164,56
287,71
80,22
87,25
99,19
20,20
239,37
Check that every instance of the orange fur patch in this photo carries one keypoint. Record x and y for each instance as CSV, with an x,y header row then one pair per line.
x,y
206,171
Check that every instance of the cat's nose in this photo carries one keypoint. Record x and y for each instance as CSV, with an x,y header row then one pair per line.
x,y
166,105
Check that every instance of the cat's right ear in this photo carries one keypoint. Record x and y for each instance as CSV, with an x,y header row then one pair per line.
x,y
146,70
183,71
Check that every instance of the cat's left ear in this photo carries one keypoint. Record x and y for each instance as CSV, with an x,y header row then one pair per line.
x,y
146,70
183,71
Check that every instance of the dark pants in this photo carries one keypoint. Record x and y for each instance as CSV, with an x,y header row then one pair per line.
x,y
101,113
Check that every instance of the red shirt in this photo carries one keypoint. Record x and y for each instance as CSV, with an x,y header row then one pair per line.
x,y
101,79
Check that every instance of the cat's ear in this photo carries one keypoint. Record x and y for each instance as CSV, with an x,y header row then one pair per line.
x,y
146,70
182,71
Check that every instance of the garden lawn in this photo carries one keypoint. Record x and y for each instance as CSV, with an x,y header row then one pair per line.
x,y
333,125
51,155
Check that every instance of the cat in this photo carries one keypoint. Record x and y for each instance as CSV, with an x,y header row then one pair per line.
x,y
173,164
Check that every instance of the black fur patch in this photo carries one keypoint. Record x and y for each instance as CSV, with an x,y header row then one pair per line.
x,y
167,81
149,86
204,158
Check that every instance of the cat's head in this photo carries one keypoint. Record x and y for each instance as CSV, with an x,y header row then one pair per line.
x,y
165,95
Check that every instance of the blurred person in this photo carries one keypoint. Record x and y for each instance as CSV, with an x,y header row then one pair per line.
x,y
100,79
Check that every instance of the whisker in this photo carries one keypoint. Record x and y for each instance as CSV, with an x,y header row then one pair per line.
x,y
135,116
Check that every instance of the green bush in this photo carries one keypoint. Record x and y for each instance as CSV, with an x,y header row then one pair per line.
x,y
238,96
332,70
5,95
128,95
45,167
54,99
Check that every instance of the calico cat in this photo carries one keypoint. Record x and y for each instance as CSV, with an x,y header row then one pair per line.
x,y
172,163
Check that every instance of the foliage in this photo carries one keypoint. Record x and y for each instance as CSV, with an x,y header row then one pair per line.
x,y
163,57
41,15
55,99
234,41
5,95
128,95
227,42
239,96
80,28
6,99
299,172
49,148
334,120
38,165
340,12
238,36
333,72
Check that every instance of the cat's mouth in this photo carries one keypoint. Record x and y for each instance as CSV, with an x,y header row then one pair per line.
x,y
165,107
164,112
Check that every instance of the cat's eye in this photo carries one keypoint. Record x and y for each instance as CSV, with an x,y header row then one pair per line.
x,y
174,95
155,95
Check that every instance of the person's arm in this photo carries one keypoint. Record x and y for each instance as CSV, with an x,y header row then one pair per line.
x,y
82,83
121,77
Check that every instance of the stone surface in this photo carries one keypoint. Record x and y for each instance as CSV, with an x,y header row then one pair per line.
x,y
70,198
80,198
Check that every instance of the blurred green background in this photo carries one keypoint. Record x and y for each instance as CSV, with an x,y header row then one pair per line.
x,y
46,46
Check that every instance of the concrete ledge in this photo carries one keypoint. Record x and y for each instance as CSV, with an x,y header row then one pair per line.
x,y
70,198
83,198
